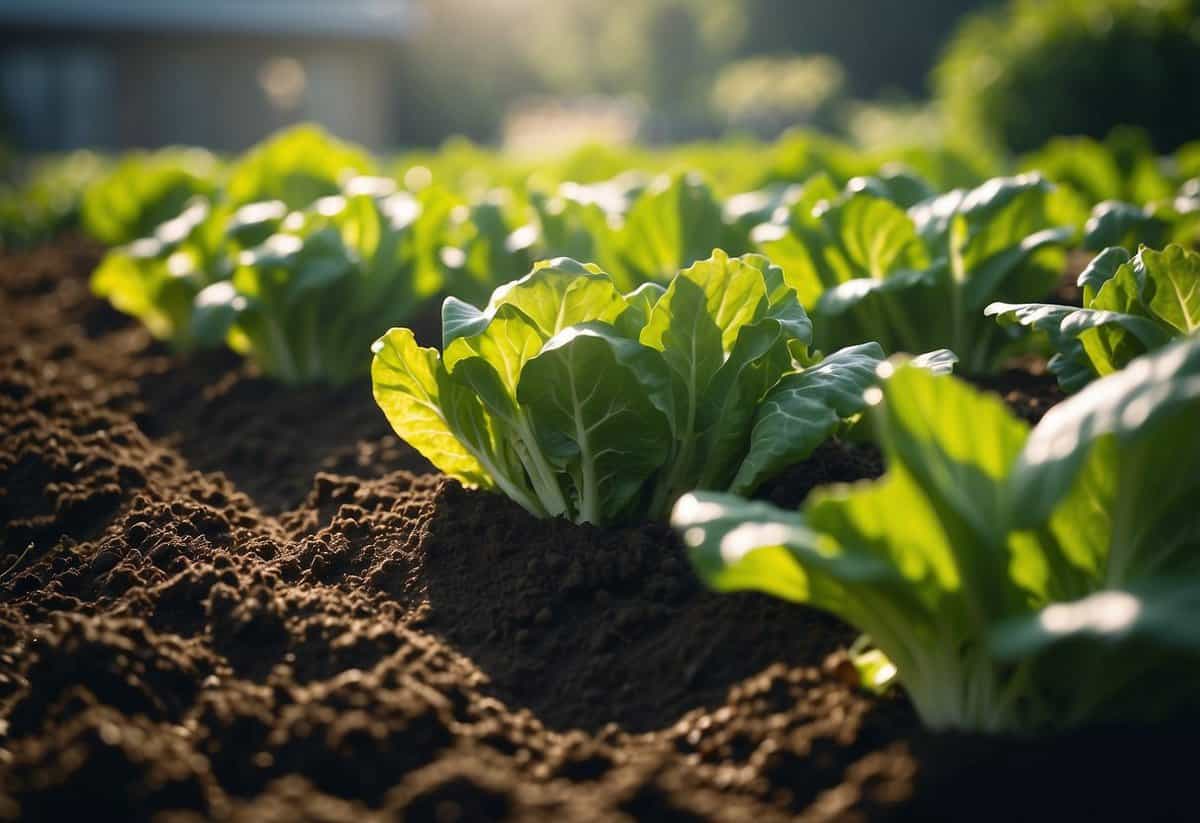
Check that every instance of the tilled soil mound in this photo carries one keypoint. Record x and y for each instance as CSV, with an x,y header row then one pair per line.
x,y
224,599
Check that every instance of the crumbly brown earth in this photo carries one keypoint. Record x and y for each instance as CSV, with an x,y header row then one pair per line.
x,y
224,599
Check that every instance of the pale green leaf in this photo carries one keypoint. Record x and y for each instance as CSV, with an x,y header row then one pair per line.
x,y
405,382
1128,405
561,293
728,408
803,410
1127,656
1172,286
588,394
670,226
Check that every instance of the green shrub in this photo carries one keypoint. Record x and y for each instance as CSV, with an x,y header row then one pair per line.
x,y
1035,69
765,95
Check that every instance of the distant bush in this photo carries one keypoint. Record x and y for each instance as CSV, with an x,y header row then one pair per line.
x,y
1032,70
765,95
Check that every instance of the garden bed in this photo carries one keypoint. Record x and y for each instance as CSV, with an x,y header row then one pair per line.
x,y
231,599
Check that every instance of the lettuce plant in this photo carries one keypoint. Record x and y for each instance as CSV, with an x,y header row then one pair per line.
x,y
190,230
578,400
1130,306
672,224
47,198
145,190
1155,223
1017,580
481,244
157,278
296,166
577,219
637,233
306,304
917,278
1123,166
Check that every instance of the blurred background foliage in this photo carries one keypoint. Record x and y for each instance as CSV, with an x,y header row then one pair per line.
x,y
688,62
1000,75
993,78
1029,70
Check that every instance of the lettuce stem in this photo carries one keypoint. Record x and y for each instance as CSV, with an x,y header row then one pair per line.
x,y
541,474
278,344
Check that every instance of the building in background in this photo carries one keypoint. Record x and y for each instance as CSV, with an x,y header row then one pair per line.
x,y
219,73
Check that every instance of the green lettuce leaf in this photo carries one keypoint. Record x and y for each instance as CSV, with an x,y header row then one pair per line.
x,y
803,409
1125,655
1131,306
407,381
671,225
606,435
1019,581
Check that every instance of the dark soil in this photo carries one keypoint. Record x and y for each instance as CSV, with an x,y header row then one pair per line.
x,y
1067,291
1029,391
222,599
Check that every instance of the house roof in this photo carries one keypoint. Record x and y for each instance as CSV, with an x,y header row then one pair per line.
x,y
373,19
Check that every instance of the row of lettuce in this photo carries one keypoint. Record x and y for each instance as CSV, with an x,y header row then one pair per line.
x,y
1013,580
299,256
576,398
41,196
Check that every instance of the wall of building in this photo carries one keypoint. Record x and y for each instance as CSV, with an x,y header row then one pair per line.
x,y
221,92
